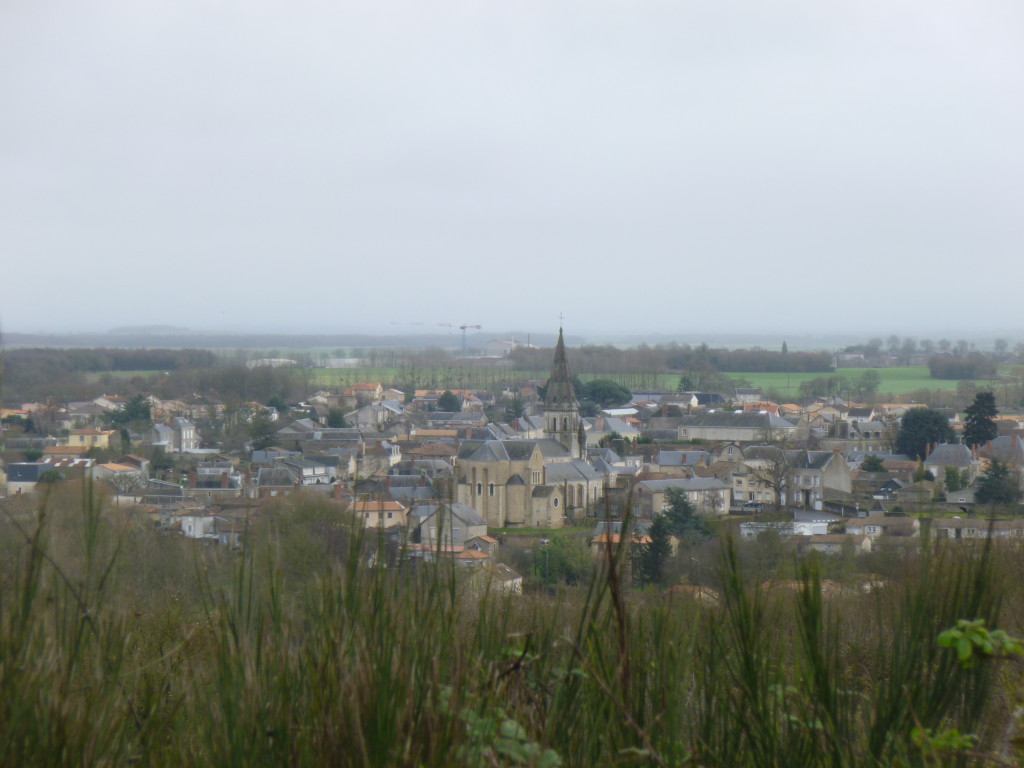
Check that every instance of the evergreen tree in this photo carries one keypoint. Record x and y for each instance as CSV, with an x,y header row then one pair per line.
x,y
654,555
921,427
1000,484
953,479
449,402
872,463
682,517
336,418
980,423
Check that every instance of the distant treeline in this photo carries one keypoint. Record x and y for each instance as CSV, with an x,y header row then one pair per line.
x,y
98,360
63,374
673,357
962,367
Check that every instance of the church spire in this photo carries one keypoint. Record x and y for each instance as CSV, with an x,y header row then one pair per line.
x,y
560,392
561,411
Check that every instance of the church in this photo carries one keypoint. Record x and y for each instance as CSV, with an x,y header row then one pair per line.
x,y
534,483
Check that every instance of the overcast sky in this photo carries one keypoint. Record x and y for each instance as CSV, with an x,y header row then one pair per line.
x,y
331,166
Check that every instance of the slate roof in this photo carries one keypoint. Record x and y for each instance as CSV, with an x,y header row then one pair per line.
x,y
750,419
681,458
1005,448
276,477
461,512
800,459
950,455
25,472
684,484
573,471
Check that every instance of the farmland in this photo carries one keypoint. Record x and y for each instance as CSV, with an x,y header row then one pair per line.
x,y
894,381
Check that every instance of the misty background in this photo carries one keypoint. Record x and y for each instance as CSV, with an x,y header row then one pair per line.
x,y
642,167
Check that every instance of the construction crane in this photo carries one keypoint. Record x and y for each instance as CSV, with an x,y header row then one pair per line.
x,y
463,328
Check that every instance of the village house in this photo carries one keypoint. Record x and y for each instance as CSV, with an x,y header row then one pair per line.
x,y
709,495
91,437
735,426
381,514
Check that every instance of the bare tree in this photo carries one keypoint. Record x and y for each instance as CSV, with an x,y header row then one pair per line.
x,y
772,472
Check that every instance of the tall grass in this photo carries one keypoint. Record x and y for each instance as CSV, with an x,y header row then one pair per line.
x,y
246,661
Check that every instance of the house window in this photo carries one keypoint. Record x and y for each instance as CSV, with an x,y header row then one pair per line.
x,y
390,515
490,489
479,489
556,502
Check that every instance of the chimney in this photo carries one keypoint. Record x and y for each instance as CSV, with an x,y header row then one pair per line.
x,y
223,479
191,479
927,450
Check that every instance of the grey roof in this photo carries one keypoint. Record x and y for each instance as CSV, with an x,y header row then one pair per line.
x,y
25,472
800,459
762,453
950,455
752,419
641,527
681,458
471,416
276,477
551,448
1005,448
810,516
462,512
684,484
411,493
611,424
858,455
574,471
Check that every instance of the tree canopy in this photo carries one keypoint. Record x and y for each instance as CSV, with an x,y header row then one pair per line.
x,y
980,421
682,517
872,463
605,393
336,418
654,555
449,402
1000,484
919,428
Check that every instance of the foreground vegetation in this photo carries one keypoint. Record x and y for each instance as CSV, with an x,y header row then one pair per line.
x,y
121,645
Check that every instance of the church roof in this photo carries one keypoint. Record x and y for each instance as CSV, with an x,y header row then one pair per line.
x,y
560,392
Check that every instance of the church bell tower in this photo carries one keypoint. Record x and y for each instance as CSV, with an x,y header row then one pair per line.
x,y
562,420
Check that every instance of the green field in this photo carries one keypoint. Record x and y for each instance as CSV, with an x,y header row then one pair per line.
x,y
100,375
895,381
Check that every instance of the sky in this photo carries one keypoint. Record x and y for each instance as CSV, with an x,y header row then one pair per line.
x,y
632,165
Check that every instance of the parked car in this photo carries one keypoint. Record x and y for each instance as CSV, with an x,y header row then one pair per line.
x,y
754,506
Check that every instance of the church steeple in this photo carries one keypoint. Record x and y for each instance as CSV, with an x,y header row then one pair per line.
x,y
562,420
560,392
